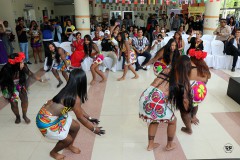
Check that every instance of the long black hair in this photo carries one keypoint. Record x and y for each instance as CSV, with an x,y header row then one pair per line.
x,y
76,86
88,48
57,55
179,84
123,38
167,52
8,73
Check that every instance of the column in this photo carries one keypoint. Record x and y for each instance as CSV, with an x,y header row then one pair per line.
x,y
211,16
97,10
82,16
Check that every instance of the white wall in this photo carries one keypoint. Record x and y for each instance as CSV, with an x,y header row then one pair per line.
x,y
63,10
38,6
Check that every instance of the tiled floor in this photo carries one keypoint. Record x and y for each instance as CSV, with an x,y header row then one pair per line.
x,y
116,105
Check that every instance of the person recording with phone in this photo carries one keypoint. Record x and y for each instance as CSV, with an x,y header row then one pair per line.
x,y
22,38
233,48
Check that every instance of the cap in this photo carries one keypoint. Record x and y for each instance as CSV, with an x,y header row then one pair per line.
x,y
107,32
45,16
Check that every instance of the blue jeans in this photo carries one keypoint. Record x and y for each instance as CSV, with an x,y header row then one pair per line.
x,y
24,48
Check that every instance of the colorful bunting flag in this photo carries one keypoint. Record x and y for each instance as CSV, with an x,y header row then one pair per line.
x,y
142,2
135,1
123,1
110,1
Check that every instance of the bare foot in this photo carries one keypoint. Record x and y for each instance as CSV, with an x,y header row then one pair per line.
x,y
170,146
152,147
92,82
57,156
103,80
121,79
186,130
74,149
18,120
195,120
26,119
135,77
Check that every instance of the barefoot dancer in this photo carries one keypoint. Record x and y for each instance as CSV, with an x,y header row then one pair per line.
x,y
198,78
91,49
13,84
60,61
53,119
130,56
184,98
154,107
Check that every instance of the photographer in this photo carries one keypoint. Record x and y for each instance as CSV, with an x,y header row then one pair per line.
x,y
22,38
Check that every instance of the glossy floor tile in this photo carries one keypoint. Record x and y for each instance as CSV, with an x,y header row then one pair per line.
x,y
116,105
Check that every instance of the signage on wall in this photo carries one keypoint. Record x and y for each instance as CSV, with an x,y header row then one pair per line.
x,y
28,6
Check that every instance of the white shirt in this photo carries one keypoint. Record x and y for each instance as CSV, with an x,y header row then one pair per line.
x,y
156,47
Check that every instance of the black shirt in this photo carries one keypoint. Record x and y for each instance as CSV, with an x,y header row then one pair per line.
x,y
107,45
22,38
193,44
198,26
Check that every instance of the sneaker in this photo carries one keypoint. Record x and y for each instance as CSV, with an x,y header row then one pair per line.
x,y
104,69
29,62
113,69
233,69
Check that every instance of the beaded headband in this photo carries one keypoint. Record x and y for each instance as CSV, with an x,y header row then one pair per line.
x,y
18,59
198,54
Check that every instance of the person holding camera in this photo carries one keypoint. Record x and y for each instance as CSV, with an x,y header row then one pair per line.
x,y
233,48
22,38
36,42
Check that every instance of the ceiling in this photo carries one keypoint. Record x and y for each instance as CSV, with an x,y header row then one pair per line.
x,y
64,2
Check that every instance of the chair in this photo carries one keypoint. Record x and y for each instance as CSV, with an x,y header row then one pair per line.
x,y
217,47
207,46
66,46
86,64
208,37
166,39
57,44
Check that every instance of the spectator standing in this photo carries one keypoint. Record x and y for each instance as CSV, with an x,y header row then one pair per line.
x,y
22,38
3,53
198,25
10,38
46,29
176,23
164,23
36,41
57,32
69,28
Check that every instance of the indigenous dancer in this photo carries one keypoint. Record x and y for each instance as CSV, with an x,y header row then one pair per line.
x,y
91,49
60,61
13,82
198,78
78,54
130,55
155,101
53,119
163,57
